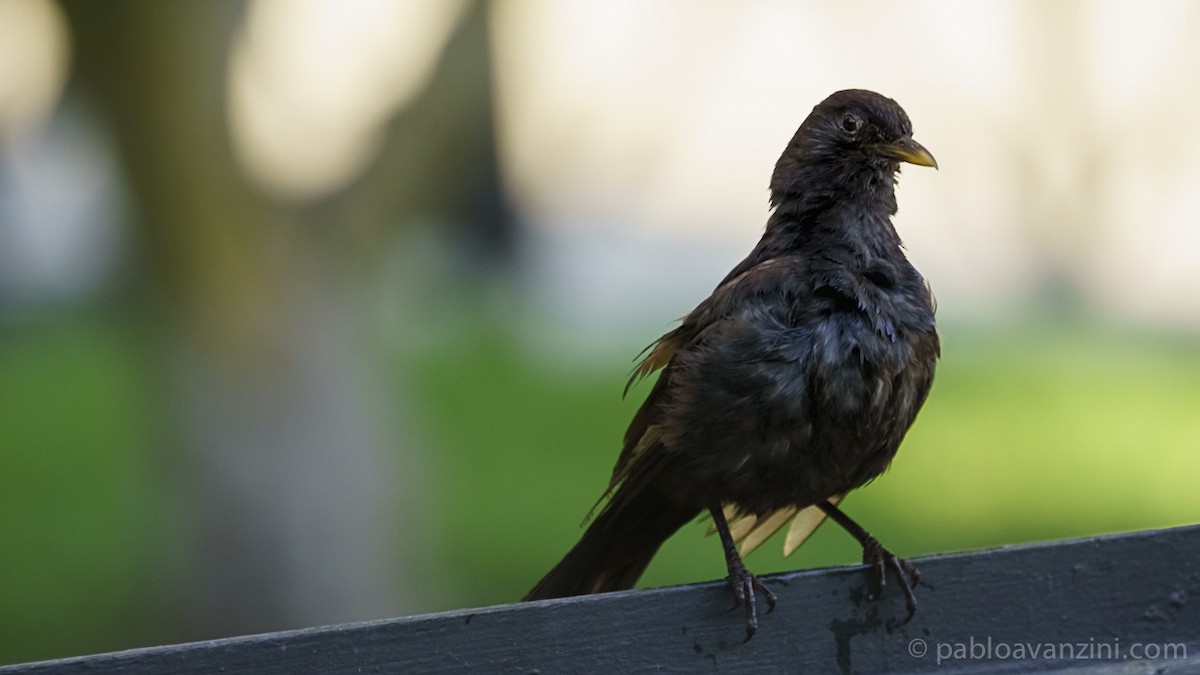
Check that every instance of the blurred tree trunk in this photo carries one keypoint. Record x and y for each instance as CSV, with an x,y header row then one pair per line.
x,y
281,456
439,159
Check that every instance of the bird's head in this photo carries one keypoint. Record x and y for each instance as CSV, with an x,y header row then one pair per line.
x,y
853,134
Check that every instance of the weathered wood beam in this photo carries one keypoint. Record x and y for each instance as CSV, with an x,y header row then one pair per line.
x,y
1126,603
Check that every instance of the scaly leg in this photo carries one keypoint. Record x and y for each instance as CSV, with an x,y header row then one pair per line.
x,y
880,559
743,583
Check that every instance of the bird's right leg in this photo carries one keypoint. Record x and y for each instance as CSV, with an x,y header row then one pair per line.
x,y
880,559
743,582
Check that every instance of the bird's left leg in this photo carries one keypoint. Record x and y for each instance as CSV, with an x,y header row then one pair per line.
x,y
744,584
880,559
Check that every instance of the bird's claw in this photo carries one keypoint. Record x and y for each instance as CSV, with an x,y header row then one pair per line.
x,y
745,587
881,561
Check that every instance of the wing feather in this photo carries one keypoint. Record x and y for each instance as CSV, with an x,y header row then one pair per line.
x,y
750,531
804,524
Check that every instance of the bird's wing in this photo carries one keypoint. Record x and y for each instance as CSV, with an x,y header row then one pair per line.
x,y
657,355
753,279
644,432
645,435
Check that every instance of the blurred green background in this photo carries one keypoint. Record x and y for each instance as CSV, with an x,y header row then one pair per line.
x,y
272,355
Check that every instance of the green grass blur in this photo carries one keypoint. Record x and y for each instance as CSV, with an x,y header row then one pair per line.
x,y
78,488
1029,434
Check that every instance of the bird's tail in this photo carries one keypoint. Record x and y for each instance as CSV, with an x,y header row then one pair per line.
x,y
618,545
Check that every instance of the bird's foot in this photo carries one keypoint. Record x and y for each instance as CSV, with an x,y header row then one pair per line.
x,y
745,587
882,561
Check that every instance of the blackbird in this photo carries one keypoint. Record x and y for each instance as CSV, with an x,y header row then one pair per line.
x,y
789,386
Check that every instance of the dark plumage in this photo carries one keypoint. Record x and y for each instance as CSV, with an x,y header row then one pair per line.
x,y
794,382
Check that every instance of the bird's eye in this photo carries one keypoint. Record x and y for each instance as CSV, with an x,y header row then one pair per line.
x,y
851,123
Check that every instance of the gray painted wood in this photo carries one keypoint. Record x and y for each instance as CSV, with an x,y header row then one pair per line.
x,y
1104,596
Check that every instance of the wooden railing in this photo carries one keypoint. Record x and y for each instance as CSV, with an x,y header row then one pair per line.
x,y
1127,603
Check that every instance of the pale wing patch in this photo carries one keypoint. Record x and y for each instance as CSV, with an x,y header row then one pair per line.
x,y
764,528
804,524
739,524
750,531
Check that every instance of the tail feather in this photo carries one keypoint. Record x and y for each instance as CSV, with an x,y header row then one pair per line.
x,y
618,546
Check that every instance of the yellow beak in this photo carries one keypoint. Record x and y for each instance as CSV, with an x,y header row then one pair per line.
x,y
908,150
